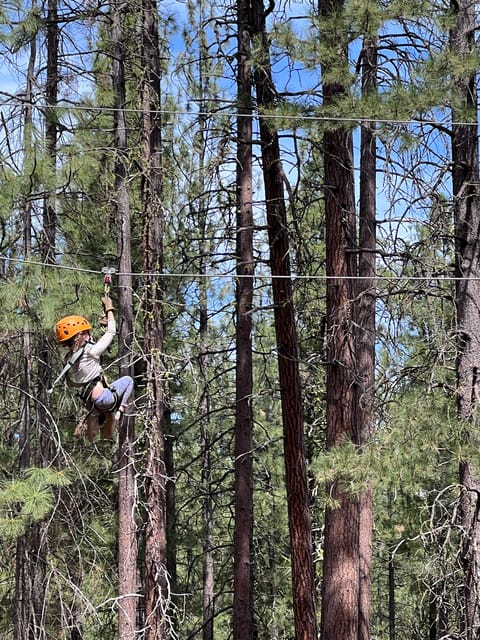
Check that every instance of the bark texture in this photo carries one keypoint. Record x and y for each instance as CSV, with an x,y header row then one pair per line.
x,y
465,182
243,534
341,547
341,565
365,323
157,596
32,547
127,543
303,584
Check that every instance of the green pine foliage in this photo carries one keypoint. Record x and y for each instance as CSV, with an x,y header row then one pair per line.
x,y
27,499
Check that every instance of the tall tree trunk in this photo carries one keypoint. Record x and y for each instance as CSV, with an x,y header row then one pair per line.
x,y
208,577
127,544
303,583
22,571
243,534
170,511
32,547
156,580
340,586
205,437
465,184
51,129
365,324
208,542
43,439
392,610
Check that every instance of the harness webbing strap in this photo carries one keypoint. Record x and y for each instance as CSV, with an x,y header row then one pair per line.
x,y
72,360
88,387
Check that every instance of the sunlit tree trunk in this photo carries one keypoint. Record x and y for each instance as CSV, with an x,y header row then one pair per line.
x,y
465,183
127,544
157,594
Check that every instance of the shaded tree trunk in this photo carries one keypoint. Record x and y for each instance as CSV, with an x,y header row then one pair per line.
x,y
170,510
127,544
32,547
51,129
208,569
341,553
340,588
303,584
243,534
157,594
22,571
392,611
208,577
466,193
208,543
365,324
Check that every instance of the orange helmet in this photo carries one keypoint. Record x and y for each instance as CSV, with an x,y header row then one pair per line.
x,y
68,327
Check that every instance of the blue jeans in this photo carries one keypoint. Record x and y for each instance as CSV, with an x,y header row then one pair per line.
x,y
106,400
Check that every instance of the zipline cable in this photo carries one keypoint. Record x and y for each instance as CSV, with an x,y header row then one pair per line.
x,y
267,116
232,275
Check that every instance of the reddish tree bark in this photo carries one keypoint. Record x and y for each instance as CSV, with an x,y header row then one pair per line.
x,y
303,584
340,587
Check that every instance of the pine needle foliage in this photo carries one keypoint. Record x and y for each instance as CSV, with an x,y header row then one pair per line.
x,y
28,498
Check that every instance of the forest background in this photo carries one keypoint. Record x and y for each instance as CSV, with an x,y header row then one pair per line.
x,y
288,198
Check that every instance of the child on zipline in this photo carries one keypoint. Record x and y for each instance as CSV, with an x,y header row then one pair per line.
x,y
105,403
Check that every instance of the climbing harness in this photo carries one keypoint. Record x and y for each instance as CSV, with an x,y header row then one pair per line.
x,y
88,387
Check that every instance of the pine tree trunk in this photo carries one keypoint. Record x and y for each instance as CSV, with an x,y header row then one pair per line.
x,y
392,609
341,553
157,595
303,583
466,193
32,547
170,509
208,577
22,571
208,542
243,534
341,565
365,323
127,544
51,128
23,599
